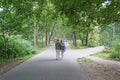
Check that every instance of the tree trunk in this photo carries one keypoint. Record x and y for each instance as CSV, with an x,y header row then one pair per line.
x,y
35,35
74,39
82,39
51,32
46,37
86,39
42,41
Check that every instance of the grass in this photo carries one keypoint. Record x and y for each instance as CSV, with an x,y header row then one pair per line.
x,y
85,60
104,54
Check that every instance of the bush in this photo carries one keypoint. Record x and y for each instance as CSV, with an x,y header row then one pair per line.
x,y
79,44
17,47
116,51
93,43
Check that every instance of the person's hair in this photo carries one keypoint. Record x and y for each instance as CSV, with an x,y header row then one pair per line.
x,y
57,39
61,41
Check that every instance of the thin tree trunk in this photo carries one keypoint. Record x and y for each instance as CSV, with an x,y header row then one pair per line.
x,y
82,40
42,41
35,35
86,39
74,39
46,37
51,32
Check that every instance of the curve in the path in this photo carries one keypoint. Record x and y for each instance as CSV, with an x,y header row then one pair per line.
x,y
44,66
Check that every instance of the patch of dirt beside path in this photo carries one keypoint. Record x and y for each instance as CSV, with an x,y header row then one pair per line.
x,y
8,66
102,69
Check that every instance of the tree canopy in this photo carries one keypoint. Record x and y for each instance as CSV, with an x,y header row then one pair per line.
x,y
80,17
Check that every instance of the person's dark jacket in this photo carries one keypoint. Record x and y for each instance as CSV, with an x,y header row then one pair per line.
x,y
57,45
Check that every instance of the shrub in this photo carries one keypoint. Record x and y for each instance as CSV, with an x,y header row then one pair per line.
x,y
116,50
17,47
93,43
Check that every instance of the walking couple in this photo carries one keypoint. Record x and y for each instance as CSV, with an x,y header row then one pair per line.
x,y
60,47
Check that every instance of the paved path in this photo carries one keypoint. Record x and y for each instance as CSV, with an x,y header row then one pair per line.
x,y
45,67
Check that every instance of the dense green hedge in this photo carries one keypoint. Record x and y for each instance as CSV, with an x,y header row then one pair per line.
x,y
16,47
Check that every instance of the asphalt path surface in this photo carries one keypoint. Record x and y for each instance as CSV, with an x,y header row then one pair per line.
x,y
44,66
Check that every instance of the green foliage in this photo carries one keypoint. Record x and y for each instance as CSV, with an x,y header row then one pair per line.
x,y
113,53
16,47
71,44
79,45
84,13
109,34
116,51
93,43
54,18
104,54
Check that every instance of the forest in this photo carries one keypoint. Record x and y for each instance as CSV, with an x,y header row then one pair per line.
x,y
27,25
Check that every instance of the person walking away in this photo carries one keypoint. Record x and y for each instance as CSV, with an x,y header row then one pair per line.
x,y
57,47
62,49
